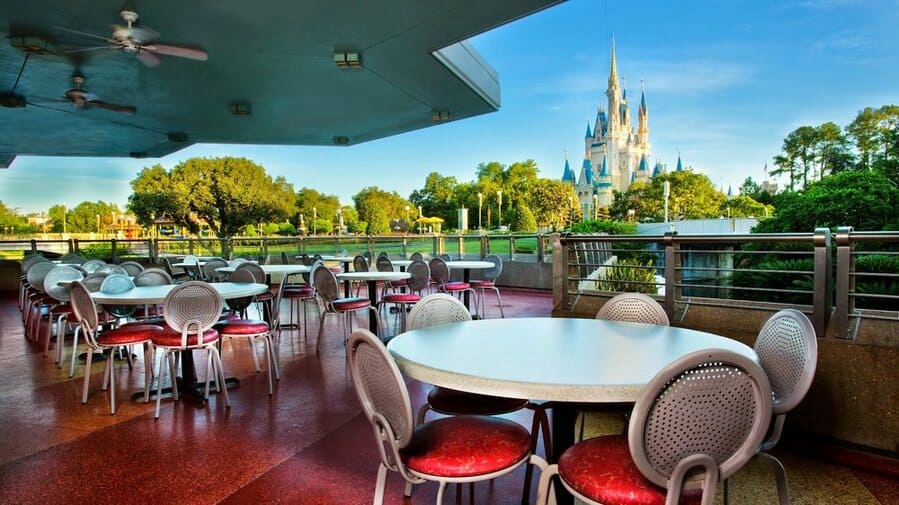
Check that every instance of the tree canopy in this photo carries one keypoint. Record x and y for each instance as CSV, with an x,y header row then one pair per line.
x,y
554,203
325,212
377,207
693,196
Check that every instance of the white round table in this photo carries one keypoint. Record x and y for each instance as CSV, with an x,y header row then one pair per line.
x,y
154,295
562,360
182,264
271,269
467,266
372,279
402,264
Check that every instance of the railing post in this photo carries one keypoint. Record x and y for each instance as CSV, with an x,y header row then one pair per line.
x,y
71,245
265,247
845,305
560,273
541,245
190,246
115,252
485,246
672,277
405,246
461,241
511,247
822,299
33,245
76,247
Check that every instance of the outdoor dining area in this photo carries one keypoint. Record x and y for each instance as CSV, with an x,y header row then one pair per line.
x,y
428,382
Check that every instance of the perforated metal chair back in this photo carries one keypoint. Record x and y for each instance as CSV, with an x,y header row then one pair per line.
x,y
31,260
440,272
788,352
445,257
92,282
132,267
84,308
420,273
325,284
708,404
111,269
243,276
114,284
437,309
253,268
190,259
209,269
192,308
167,264
383,254
307,277
380,389
37,273
153,277
91,266
384,264
633,308
285,259
490,274
60,274
72,259
360,264
367,255
237,262
417,256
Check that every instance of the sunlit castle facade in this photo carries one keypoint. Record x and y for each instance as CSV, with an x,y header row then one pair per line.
x,y
614,153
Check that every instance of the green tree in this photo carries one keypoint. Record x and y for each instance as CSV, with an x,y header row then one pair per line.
x,y
83,218
437,198
308,199
153,195
10,219
390,203
833,150
752,189
693,196
286,229
57,214
746,206
864,130
378,222
866,200
551,200
521,219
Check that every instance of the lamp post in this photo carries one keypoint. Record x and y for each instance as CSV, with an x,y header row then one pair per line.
x,y
499,202
314,217
339,220
98,224
407,219
595,206
570,210
420,215
667,192
63,219
480,204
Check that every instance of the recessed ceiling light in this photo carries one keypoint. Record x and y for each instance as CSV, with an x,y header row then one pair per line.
x,y
240,109
347,59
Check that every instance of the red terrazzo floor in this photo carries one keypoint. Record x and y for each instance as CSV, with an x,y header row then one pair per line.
x,y
306,444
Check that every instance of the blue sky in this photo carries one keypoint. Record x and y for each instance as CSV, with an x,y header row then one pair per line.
x,y
725,82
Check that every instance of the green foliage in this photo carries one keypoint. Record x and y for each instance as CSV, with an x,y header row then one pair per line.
x,y
862,199
769,274
377,207
521,219
286,229
605,226
308,199
250,231
876,137
868,284
745,206
553,202
624,277
359,227
321,226
378,222
270,229
693,196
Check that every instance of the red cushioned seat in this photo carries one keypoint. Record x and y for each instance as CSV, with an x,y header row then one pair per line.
x,y
159,321
401,298
264,296
129,334
464,446
229,317
456,286
298,292
62,309
483,284
351,303
171,338
399,282
451,401
242,327
336,270
602,469
147,311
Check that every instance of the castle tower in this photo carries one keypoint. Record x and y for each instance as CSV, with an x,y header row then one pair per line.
x,y
643,122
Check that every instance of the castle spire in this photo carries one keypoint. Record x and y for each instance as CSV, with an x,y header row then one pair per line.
x,y
613,70
589,133
680,165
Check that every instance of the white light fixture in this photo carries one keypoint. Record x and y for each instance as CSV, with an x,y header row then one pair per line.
x,y
439,116
347,59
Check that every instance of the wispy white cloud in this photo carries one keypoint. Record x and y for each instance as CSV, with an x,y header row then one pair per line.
x,y
845,40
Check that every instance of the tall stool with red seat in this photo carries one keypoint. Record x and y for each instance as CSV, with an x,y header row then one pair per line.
x,y
440,274
418,282
326,288
488,281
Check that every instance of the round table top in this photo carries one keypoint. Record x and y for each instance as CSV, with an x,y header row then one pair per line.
x,y
469,265
373,276
271,269
570,360
149,295
401,263
182,264
344,259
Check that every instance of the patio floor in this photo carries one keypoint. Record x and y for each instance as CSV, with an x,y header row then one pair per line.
x,y
309,443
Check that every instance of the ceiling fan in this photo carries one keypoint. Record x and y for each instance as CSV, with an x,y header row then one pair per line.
x,y
82,99
138,40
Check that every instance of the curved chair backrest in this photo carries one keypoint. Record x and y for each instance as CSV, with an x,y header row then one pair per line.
x,y
192,308
360,264
132,267
111,269
253,268
211,265
384,264
367,256
37,273
152,277
190,259
307,277
445,257
167,264
325,284
420,273
707,410
115,284
239,304
236,262
317,257
381,391
633,308
85,310
440,272
91,266
417,256
57,275
72,259
92,282
308,260
32,259
285,259
788,352
492,273
437,309
383,254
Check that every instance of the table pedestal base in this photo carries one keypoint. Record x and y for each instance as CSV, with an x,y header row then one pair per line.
x,y
564,417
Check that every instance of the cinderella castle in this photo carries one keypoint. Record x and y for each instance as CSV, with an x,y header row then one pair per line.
x,y
614,154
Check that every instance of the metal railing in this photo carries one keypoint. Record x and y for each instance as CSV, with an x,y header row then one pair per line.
x,y
834,277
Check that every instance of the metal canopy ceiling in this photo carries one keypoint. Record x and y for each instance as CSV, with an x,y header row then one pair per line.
x,y
275,55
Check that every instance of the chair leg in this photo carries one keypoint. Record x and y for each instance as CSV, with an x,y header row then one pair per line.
x,y
380,484
422,411
783,488
407,489
209,371
545,490
87,375
268,364
165,363
252,345
274,360
440,491
148,370
74,351
321,331
221,375
111,386
499,299
529,470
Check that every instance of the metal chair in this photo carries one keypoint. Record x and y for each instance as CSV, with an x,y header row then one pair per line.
x,y
494,446
489,282
91,266
415,285
209,270
265,299
111,269
326,288
788,352
285,259
440,274
417,256
27,263
383,264
59,306
85,312
115,284
438,309
72,259
252,329
445,257
36,298
169,269
92,283
697,422
153,277
633,308
132,268
190,311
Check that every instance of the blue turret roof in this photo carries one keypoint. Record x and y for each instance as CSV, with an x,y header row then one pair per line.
x,y
588,171
588,134
633,176
644,166
680,164
604,172
601,123
643,100
568,174
658,169
730,192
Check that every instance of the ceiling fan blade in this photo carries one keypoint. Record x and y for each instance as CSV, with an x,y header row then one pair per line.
x,y
76,32
147,58
87,49
128,109
141,34
181,52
